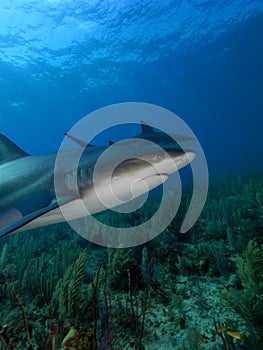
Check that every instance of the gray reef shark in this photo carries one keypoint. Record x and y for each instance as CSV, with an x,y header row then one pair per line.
x,y
30,199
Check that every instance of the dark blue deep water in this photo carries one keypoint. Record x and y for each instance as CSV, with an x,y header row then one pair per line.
x,y
199,284
203,60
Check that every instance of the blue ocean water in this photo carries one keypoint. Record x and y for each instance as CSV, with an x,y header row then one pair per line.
x,y
61,59
203,60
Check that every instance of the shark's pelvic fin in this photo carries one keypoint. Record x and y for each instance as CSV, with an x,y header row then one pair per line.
x,y
9,150
13,220
20,222
9,215
146,129
79,142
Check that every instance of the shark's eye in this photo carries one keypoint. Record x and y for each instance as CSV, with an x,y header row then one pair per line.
x,y
161,155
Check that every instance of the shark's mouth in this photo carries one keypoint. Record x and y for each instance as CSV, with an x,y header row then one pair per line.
x,y
155,180
163,177
126,191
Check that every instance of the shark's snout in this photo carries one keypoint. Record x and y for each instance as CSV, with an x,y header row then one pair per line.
x,y
185,159
174,160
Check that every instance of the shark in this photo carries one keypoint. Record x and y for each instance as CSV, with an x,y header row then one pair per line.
x,y
30,199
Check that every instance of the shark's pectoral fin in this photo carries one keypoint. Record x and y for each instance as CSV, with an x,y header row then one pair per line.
x,y
9,215
14,220
78,141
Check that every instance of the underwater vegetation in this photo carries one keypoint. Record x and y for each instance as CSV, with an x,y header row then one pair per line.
x,y
202,290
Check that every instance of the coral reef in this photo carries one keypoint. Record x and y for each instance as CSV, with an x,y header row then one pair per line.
x,y
248,301
202,290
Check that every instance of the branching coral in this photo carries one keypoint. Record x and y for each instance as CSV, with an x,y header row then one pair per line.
x,y
134,288
22,308
248,302
69,288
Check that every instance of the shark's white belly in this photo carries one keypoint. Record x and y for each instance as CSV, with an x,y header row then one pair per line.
x,y
93,203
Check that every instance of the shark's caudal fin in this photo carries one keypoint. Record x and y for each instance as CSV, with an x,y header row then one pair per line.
x,y
146,129
9,150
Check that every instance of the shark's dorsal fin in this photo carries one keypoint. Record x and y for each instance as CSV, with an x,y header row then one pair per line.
x,y
9,150
79,142
146,129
